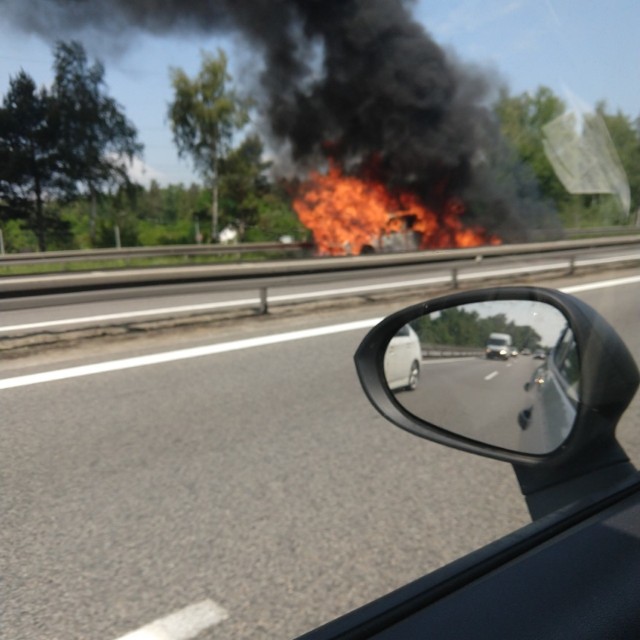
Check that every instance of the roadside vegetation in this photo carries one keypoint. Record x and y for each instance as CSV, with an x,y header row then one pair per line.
x,y
461,327
75,265
65,153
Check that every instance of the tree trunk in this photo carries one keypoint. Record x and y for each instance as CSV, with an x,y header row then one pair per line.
x,y
214,202
40,230
93,214
214,211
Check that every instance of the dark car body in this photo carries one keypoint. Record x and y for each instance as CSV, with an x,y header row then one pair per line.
x,y
553,393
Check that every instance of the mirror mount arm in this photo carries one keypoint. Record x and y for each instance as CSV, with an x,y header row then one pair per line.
x,y
601,465
592,460
571,492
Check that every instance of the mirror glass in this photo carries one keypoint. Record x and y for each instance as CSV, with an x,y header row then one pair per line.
x,y
504,373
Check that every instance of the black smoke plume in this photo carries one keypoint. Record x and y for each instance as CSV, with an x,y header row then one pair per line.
x,y
362,75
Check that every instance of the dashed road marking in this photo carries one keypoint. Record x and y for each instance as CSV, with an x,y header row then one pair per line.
x,y
181,625
491,376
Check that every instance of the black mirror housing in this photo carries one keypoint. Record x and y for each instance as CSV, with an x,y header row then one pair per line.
x,y
609,378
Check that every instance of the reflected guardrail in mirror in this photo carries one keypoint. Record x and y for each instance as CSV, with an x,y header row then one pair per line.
x,y
440,351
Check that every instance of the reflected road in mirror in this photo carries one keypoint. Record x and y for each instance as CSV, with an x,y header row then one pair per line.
x,y
479,377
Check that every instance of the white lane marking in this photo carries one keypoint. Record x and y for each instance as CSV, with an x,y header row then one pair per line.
x,y
181,625
182,354
491,376
601,285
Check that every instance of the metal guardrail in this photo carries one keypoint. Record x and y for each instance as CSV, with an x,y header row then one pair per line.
x,y
44,290
179,250
450,351
302,249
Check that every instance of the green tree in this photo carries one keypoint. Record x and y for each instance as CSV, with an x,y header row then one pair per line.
x,y
97,139
171,214
521,120
17,238
117,221
243,183
150,204
204,115
31,172
625,135
275,219
460,327
451,327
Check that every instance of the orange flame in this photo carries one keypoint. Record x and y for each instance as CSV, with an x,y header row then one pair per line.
x,y
347,213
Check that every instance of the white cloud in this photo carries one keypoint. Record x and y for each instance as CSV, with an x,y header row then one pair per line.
x,y
142,173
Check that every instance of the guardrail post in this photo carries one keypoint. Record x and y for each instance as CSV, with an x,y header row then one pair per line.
x,y
264,306
572,265
454,278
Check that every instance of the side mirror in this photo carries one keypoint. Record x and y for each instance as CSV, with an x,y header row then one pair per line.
x,y
445,370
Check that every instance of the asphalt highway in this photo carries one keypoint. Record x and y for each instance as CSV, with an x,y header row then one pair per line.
x,y
477,398
240,485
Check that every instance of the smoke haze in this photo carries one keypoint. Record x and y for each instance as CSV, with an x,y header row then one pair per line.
x,y
384,89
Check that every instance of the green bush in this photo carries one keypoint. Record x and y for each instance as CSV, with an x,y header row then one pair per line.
x,y
17,239
274,220
153,234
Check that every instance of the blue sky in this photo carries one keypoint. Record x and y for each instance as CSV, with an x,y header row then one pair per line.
x,y
585,50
